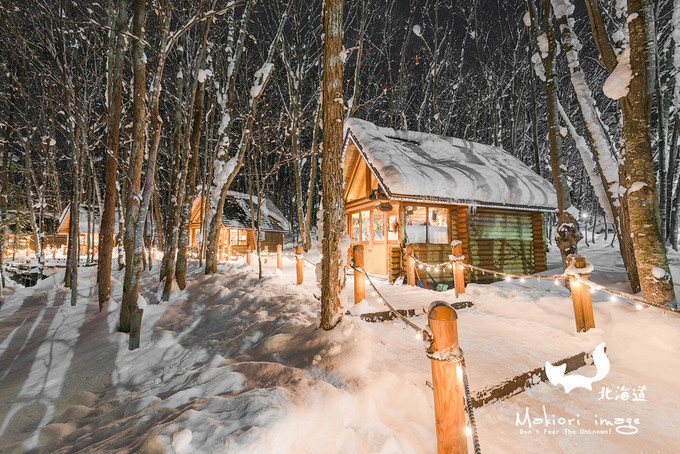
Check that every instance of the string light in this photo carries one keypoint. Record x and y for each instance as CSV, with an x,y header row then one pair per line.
x,y
468,431
613,299
508,278
522,279
638,306
419,335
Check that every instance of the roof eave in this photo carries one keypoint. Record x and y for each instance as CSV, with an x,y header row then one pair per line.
x,y
434,199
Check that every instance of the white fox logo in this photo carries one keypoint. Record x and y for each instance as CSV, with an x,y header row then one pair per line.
x,y
556,373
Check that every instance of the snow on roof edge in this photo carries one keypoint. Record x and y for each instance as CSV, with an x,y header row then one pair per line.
x,y
444,169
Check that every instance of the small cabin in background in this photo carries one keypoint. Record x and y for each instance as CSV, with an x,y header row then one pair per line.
x,y
410,188
236,234
88,226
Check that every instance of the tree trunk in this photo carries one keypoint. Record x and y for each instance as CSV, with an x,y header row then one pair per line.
x,y
332,273
183,239
307,239
108,217
177,263
219,194
177,178
567,234
603,168
656,282
129,308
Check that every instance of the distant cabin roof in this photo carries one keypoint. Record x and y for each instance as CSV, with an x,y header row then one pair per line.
x,y
236,214
427,166
65,219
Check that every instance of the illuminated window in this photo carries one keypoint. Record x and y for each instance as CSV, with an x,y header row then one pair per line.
x,y
438,225
393,231
378,226
356,227
238,237
416,224
365,225
426,225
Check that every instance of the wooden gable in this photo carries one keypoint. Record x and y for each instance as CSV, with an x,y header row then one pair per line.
x,y
359,180
65,222
195,218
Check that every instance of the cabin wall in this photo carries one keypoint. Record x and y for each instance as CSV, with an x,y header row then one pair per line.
x,y
504,240
509,241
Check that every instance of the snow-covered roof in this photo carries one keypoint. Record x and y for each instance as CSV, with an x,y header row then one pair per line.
x,y
64,220
431,167
236,214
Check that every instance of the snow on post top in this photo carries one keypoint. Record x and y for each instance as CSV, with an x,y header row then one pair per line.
x,y
421,165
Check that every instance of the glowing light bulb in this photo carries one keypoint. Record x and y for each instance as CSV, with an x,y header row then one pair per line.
x,y
508,278
419,336
468,431
612,299
592,290
420,266
638,306
522,279
557,282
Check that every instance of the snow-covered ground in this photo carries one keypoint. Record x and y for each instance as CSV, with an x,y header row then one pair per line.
x,y
237,364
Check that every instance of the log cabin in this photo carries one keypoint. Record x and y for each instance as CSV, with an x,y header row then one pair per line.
x,y
88,226
409,188
236,234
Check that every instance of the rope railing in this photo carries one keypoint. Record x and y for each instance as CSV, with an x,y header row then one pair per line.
x,y
640,302
420,332
426,336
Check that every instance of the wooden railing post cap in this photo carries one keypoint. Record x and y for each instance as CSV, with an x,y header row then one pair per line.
x,y
578,261
441,310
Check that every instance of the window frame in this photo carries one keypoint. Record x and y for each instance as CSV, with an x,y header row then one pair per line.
x,y
427,220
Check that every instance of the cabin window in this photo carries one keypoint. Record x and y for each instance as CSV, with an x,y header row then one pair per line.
x,y
393,231
438,226
238,237
378,226
356,227
426,225
416,224
365,225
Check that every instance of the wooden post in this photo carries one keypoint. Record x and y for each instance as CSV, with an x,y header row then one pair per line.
x,y
248,256
279,256
221,254
359,277
266,253
580,297
447,382
410,266
458,270
298,264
